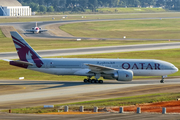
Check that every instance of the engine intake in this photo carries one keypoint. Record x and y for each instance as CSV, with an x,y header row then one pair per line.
x,y
123,75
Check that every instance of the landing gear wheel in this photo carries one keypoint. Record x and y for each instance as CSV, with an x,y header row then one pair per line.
x,y
89,80
85,81
96,81
162,81
92,81
101,81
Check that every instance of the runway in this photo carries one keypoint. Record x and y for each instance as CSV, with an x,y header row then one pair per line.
x,y
34,93
96,50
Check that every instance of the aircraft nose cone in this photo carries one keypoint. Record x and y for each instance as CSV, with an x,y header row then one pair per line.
x,y
175,69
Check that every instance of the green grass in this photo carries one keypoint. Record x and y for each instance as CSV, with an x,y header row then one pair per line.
x,y
109,10
121,101
88,16
172,56
7,44
1,35
142,29
132,100
130,10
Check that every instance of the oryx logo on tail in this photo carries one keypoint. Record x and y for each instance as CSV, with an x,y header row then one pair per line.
x,y
25,52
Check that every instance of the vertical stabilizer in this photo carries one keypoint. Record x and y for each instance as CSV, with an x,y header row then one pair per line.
x,y
24,50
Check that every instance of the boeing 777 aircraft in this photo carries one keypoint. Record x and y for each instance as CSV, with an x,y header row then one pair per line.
x,y
119,69
36,29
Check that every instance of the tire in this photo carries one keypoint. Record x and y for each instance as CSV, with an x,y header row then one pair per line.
x,y
92,81
162,81
101,81
89,80
85,81
96,81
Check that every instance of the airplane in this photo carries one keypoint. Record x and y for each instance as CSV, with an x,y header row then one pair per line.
x,y
118,69
36,29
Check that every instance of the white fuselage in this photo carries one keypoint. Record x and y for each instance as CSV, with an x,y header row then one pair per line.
x,y
36,30
140,67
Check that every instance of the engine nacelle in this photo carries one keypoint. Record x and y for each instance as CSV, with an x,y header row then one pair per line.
x,y
32,28
39,28
123,75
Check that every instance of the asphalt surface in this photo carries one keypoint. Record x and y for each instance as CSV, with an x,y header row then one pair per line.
x,y
106,116
95,50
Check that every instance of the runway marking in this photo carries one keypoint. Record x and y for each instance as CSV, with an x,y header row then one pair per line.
x,y
80,97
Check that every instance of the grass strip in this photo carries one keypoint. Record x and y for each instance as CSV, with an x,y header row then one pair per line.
x,y
129,10
7,44
139,29
87,16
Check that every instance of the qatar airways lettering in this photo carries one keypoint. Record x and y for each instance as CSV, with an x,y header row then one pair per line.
x,y
155,66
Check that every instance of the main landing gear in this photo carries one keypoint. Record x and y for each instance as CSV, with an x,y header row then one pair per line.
x,y
93,81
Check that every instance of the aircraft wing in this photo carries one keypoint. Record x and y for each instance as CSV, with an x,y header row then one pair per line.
x,y
99,68
29,30
19,62
43,30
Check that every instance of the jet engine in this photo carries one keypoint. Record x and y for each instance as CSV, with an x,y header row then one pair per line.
x,y
123,75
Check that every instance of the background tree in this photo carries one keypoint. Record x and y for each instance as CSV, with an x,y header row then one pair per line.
x,y
81,5
84,3
34,6
42,8
50,9
91,6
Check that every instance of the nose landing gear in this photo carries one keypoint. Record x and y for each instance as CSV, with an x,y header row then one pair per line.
x,y
162,80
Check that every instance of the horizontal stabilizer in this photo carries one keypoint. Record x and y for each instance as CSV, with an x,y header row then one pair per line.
x,y
19,62
24,62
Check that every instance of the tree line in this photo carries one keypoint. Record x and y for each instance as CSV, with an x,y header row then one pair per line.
x,y
82,5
